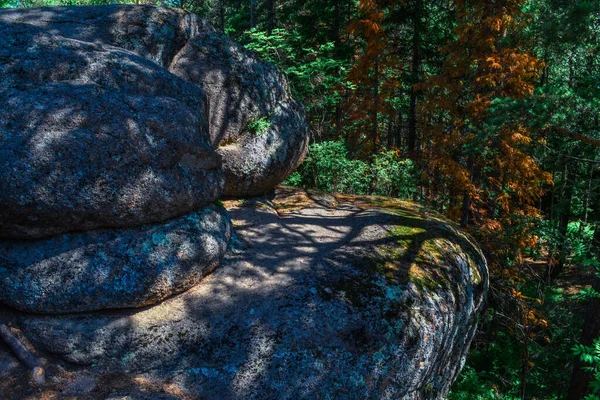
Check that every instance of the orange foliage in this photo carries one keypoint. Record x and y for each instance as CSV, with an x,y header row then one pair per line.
x,y
495,172
372,76
490,178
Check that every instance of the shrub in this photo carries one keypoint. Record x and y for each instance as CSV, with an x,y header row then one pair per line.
x,y
329,168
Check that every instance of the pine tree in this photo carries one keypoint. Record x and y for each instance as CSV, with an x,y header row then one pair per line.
x,y
485,172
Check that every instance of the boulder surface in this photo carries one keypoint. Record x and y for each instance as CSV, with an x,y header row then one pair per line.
x,y
155,33
112,268
95,136
255,124
345,298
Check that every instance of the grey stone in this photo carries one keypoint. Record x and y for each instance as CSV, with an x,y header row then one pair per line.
x,y
81,386
112,268
95,136
374,302
155,33
8,365
242,90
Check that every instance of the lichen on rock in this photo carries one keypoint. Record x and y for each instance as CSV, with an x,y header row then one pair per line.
x,y
240,87
339,301
112,268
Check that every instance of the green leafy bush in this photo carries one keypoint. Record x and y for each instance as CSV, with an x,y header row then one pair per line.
x,y
393,177
328,167
259,126
591,356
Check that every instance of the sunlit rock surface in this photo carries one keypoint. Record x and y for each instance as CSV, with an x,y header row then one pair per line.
x,y
325,298
112,268
155,33
261,132
94,136
255,124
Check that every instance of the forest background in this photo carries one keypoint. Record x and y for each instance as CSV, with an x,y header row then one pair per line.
x,y
487,111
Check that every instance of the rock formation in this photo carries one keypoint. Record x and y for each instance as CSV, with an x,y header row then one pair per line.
x,y
241,88
367,298
94,136
112,268
122,126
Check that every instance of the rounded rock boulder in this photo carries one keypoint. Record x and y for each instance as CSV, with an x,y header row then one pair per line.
x,y
254,123
94,136
112,268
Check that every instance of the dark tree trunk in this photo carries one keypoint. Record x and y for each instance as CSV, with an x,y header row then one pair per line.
x,y
338,120
337,40
374,129
580,379
466,201
466,206
416,66
555,268
252,13
270,16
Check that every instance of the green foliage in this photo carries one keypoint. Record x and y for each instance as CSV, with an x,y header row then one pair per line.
x,y
590,355
328,167
473,386
494,368
393,177
295,179
313,72
259,126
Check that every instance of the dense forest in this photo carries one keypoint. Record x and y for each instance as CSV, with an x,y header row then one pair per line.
x,y
486,111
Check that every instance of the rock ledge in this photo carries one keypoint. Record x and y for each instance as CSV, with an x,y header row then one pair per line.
x,y
345,297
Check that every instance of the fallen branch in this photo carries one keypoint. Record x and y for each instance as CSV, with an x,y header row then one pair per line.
x,y
38,376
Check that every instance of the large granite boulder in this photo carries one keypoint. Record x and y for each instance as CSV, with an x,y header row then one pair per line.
x,y
155,33
112,268
94,136
257,127
368,298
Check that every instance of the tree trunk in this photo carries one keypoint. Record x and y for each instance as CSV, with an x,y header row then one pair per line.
x,y
270,16
337,21
554,269
466,201
466,205
338,120
252,13
374,129
580,379
416,66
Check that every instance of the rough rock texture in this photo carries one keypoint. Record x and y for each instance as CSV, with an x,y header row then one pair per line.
x,y
360,298
155,33
241,88
94,136
112,268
